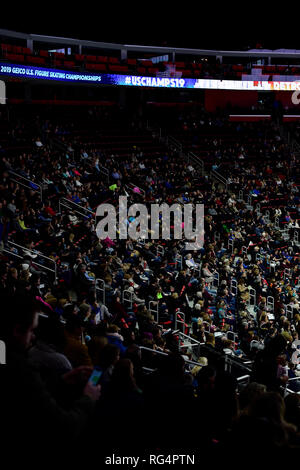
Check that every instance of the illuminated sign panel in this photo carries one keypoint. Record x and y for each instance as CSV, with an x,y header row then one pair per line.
x,y
41,73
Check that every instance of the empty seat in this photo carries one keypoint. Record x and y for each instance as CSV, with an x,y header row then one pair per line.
x,y
69,64
102,58
35,60
118,68
91,58
59,55
15,57
79,57
238,68
153,70
131,61
186,73
113,60
180,65
197,66
17,49
98,67
6,47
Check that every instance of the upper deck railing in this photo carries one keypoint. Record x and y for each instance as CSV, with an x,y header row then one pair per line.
x,y
124,48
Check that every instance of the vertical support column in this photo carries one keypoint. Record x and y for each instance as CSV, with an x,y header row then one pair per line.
x,y
230,244
30,44
233,287
123,54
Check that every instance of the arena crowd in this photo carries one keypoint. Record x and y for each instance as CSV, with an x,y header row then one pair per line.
x,y
72,302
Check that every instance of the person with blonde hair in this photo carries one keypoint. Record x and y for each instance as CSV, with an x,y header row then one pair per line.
x,y
243,290
203,362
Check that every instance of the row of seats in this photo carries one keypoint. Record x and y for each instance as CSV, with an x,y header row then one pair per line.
x,y
113,64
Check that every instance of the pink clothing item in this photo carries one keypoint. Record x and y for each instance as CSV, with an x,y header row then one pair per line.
x,y
45,303
109,242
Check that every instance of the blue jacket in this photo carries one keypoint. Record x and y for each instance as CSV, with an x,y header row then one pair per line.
x,y
118,342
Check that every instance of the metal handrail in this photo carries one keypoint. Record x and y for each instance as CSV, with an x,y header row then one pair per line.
x,y
38,253
65,203
126,293
187,361
152,310
181,322
270,302
101,289
105,171
231,244
252,297
160,250
215,174
196,160
40,189
243,377
233,286
172,141
178,259
193,342
230,360
132,187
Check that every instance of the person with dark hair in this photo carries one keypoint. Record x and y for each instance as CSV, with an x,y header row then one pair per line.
x,y
75,349
120,408
249,393
265,367
123,381
107,359
46,355
167,389
263,428
30,413
69,310
225,404
12,281
134,354
205,382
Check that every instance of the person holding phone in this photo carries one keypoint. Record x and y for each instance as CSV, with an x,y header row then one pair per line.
x,y
31,414
95,377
